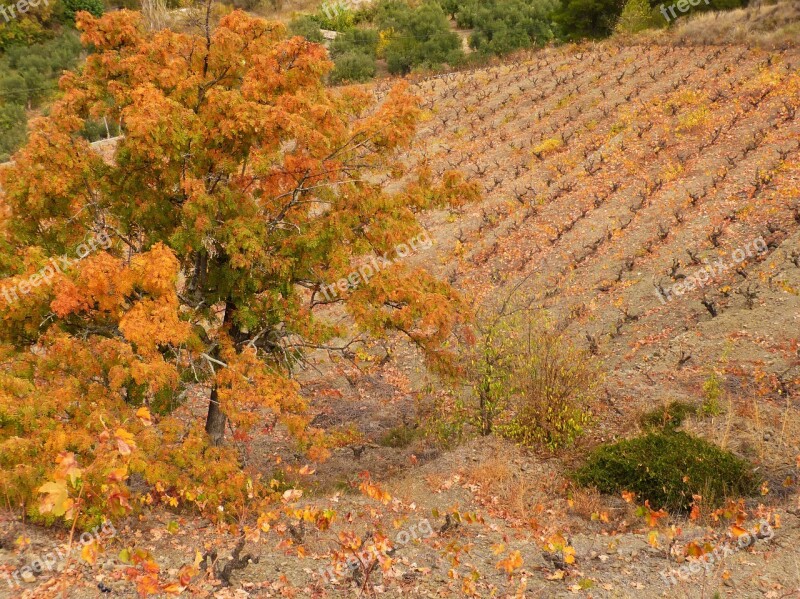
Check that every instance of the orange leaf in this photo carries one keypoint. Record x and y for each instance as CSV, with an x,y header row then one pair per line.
x,y
511,563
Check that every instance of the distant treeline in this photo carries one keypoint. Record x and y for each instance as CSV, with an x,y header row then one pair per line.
x,y
412,35
38,45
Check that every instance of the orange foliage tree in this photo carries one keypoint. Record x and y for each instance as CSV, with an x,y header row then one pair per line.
x,y
241,186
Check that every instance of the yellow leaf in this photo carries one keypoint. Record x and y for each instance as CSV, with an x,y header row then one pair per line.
x,y
125,442
143,414
89,553
498,548
56,500
652,538
22,541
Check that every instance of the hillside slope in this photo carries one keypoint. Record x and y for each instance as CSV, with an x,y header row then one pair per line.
x,y
612,174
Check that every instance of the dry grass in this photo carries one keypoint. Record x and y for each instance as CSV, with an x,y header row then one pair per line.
x,y
507,488
587,503
501,481
773,26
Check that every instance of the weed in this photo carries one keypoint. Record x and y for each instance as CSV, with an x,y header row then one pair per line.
x,y
712,392
670,416
400,436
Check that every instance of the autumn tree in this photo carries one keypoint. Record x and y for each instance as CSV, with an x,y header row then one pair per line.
x,y
240,187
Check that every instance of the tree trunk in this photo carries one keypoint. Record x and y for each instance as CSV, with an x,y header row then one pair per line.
x,y
216,420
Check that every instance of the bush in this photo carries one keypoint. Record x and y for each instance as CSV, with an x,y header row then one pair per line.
x,y
97,130
502,26
12,129
29,75
555,384
400,436
419,37
335,15
712,392
73,7
530,384
581,19
353,67
308,27
669,416
638,15
667,468
364,41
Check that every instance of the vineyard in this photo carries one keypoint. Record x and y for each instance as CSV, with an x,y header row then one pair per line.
x,y
645,198
612,173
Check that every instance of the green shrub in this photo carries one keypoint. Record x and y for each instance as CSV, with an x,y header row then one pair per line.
x,y
96,130
502,26
363,41
28,75
353,67
670,416
638,15
667,468
335,15
581,19
308,27
420,36
73,7
13,125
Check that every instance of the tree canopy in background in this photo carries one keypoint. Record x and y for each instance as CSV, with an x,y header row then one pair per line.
x,y
28,76
419,37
